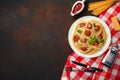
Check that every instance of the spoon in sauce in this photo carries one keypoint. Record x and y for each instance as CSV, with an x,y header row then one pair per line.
x,y
77,7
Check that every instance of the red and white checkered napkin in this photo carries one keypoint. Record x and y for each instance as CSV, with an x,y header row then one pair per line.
x,y
110,73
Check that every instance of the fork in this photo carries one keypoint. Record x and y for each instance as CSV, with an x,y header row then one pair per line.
x,y
85,70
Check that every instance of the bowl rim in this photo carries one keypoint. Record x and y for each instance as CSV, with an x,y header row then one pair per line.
x,y
86,18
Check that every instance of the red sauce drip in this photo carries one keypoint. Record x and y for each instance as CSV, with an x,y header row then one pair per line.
x,y
77,7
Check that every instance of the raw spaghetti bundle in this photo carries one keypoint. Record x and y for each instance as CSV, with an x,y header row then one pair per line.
x,y
98,7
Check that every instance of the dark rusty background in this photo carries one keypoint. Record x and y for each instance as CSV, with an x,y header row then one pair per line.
x,y
33,38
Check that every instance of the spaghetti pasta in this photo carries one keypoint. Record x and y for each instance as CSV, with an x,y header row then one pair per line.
x,y
89,36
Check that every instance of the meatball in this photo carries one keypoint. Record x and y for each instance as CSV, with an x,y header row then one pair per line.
x,y
89,26
83,40
96,43
76,38
82,24
97,28
100,36
87,32
83,48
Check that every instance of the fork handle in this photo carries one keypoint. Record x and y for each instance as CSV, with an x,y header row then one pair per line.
x,y
92,70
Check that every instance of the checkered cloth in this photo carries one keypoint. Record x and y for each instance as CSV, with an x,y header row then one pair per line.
x,y
110,73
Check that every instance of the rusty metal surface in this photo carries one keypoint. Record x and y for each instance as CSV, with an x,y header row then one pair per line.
x,y
33,38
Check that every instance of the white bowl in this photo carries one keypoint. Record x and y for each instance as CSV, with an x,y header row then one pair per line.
x,y
72,29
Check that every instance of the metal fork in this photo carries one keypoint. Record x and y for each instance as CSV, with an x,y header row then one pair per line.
x,y
70,69
85,70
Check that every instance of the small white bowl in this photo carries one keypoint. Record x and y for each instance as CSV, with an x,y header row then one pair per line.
x,y
82,3
71,32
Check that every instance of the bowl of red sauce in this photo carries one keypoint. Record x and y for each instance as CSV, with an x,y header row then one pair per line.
x,y
77,7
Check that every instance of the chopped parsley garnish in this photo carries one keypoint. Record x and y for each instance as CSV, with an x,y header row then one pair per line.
x,y
101,40
94,24
92,40
79,31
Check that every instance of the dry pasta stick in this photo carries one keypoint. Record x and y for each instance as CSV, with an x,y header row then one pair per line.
x,y
100,10
115,23
99,4
94,8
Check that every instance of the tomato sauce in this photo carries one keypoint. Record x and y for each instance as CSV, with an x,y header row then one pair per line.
x,y
77,7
